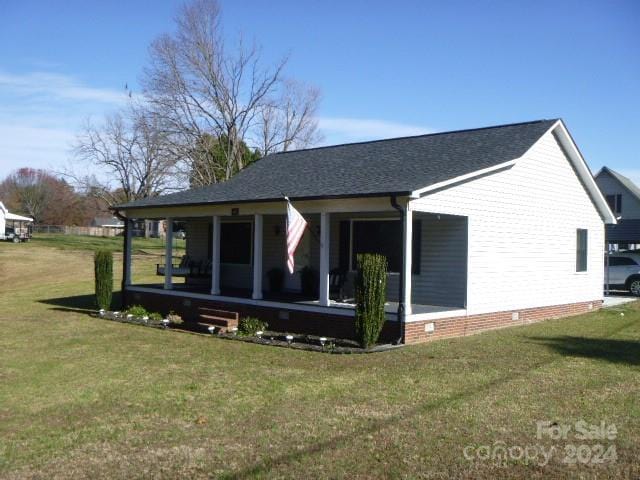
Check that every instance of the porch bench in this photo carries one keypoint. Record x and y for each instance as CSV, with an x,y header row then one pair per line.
x,y
222,319
201,269
186,268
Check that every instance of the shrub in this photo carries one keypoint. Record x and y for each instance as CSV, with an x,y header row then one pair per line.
x,y
137,311
251,325
155,316
173,317
103,272
370,293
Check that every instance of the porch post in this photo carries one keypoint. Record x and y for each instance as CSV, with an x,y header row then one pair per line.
x,y
406,268
324,258
215,256
128,234
168,257
257,257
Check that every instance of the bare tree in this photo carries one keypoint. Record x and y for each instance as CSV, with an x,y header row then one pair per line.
x,y
290,121
128,155
202,89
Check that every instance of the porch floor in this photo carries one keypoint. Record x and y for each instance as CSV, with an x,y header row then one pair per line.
x,y
417,309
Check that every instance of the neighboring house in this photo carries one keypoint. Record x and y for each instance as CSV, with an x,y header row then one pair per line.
x,y
482,228
108,222
14,228
149,228
623,197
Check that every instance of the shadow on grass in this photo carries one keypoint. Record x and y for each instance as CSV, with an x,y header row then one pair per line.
x,y
265,466
78,303
615,351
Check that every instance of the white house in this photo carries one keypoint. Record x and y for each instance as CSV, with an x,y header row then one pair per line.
x,y
14,227
482,228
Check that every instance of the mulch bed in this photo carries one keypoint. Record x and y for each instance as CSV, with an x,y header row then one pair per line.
x,y
271,338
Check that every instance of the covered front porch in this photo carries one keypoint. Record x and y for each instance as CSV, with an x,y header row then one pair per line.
x,y
239,260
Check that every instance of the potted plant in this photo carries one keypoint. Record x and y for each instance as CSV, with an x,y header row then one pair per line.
x,y
309,281
276,279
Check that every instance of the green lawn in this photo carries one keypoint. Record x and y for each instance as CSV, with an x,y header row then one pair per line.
x,y
87,398
86,242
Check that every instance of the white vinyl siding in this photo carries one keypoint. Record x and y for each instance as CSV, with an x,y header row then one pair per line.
x,y
522,233
197,237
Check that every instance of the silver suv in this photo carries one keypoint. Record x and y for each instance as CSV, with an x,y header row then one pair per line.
x,y
624,272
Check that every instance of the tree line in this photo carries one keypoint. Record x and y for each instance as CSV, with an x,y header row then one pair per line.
x,y
49,199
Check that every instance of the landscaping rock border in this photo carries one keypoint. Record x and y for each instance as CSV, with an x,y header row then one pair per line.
x,y
270,338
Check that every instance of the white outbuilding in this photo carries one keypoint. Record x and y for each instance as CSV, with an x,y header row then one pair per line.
x,y
14,228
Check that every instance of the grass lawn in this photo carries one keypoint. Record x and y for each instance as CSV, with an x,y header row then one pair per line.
x,y
87,398
115,244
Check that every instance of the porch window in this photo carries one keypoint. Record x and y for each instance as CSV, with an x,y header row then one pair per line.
x,y
385,238
581,250
236,243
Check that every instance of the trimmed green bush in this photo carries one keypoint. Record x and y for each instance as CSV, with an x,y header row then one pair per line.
x,y
137,311
370,293
103,269
250,325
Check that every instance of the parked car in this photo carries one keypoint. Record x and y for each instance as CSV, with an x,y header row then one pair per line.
x,y
181,234
624,272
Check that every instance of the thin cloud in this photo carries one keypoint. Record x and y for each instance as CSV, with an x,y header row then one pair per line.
x,y
57,86
36,147
40,115
337,129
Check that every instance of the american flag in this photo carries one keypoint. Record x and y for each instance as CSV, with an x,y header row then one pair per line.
x,y
295,229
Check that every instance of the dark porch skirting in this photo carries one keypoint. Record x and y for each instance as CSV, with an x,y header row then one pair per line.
x,y
279,318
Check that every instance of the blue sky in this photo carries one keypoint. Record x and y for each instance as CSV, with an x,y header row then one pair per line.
x,y
385,68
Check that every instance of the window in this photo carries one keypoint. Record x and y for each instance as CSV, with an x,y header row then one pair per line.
x,y
236,243
615,203
383,237
581,250
621,262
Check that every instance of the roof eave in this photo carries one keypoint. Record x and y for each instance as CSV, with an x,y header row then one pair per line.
x,y
462,178
615,175
583,171
125,207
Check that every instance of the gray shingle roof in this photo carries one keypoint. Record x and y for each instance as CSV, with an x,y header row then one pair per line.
x,y
382,167
626,182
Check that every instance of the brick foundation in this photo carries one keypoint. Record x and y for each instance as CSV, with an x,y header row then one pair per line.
x,y
341,326
279,319
469,325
